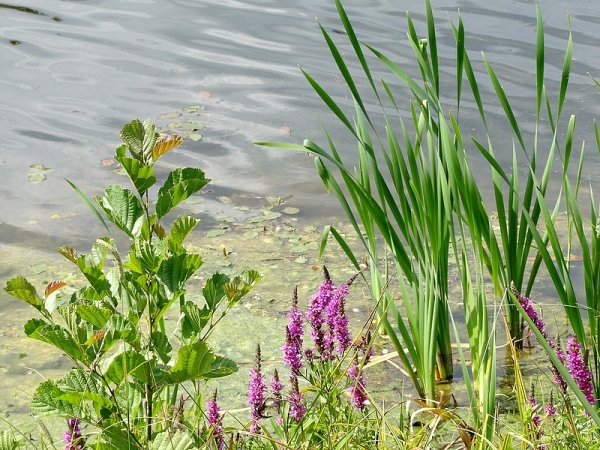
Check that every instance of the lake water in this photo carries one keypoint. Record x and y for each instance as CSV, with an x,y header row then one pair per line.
x,y
73,72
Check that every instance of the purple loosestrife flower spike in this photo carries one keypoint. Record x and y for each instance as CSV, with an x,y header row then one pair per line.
x,y
72,435
337,321
550,408
358,393
213,417
315,315
296,400
292,350
578,368
276,388
533,315
256,393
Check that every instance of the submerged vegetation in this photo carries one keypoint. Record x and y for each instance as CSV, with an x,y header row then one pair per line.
x,y
418,211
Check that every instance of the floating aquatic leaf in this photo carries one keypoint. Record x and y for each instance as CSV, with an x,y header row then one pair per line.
x,y
191,109
39,168
36,178
195,137
250,234
204,94
274,200
223,263
226,219
242,208
121,171
291,210
169,115
300,260
285,129
187,125
311,229
107,162
224,199
256,219
270,215
215,232
40,268
193,201
300,248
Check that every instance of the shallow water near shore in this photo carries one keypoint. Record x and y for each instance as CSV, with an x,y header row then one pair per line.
x,y
225,73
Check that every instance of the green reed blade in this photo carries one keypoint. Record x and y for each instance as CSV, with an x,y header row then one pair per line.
x,y
89,204
540,48
566,71
501,94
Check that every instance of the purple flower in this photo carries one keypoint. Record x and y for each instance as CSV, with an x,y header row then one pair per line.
x,y
213,416
256,393
292,350
296,400
337,321
316,315
533,315
358,393
276,388
578,368
541,326
72,435
558,378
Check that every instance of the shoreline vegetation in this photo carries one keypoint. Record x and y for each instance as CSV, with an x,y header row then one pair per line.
x,y
140,331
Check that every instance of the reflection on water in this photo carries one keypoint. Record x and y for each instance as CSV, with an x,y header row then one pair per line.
x,y
75,72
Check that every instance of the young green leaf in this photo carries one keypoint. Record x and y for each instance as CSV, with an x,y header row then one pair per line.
x,y
180,184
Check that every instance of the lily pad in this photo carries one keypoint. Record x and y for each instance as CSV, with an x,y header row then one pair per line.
x,y
270,215
300,260
291,210
215,232
190,125
300,248
169,115
40,268
193,201
225,200
226,219
242,208
195,137
192,109
39,168
250,234
36,178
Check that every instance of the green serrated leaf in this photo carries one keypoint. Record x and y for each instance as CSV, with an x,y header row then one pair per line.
x,y
124,364
172,440
22,289
55,335
46,401
194,319
175,270
8,441
180,184
162,346
181,228
141,175
222,367
94,315
122,208
140,139
194,361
